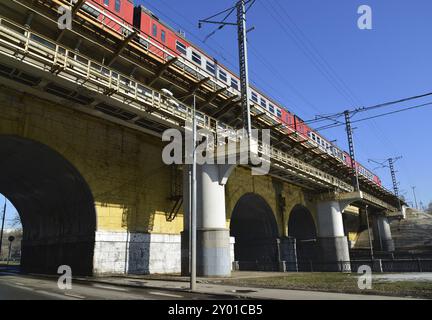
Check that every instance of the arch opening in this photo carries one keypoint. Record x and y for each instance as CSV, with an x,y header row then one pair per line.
x,y
55,205
256,233
11,234
301,226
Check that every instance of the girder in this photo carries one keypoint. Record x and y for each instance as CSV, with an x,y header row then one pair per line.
x,y
135,103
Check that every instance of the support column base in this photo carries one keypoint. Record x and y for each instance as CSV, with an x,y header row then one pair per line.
x,y
334,254
384,245
213,253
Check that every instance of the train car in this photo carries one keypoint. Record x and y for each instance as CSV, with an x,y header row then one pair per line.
x,y
115,14
165,40
162,36
377,180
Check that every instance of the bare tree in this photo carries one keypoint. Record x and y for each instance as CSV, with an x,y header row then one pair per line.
x,y
16,221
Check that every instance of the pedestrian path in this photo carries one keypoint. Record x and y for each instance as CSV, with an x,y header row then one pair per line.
x,y
207,286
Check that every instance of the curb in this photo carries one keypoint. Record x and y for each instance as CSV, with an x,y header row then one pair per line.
x,y
143,286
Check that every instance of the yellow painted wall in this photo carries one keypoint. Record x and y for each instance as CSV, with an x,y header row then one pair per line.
x,y
241,182
123,168
130,183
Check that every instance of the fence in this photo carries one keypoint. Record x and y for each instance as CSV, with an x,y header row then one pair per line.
x,y
376,265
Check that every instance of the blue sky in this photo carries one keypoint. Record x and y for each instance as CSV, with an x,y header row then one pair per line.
x,y
321,63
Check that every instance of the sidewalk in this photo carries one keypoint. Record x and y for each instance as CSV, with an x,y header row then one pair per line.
x,y
208,286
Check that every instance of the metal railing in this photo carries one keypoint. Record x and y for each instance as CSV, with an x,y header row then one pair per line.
x,y
40,52
37,51
394,265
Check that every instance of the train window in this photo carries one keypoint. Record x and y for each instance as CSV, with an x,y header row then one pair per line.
x,y
223,75
254,97
234,83
117,5
279,113
163,36
106,2
211,68
181,47
154,30
271,108
196,57
263,103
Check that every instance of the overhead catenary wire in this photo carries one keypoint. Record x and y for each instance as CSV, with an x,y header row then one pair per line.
x,y
288,25
257,80
312,50
308,43
376,116
332,117
284,27
261,83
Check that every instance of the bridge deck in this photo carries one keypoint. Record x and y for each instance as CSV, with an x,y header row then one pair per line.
x,y
48,68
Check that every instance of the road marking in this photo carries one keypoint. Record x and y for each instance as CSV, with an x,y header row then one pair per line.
x,y
101,286
165,294
57,295
19,283
73,295
23,288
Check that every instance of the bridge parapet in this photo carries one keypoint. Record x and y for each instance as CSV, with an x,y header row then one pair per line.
x,y
103,91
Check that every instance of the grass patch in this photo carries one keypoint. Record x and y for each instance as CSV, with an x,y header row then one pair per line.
x,y
337,282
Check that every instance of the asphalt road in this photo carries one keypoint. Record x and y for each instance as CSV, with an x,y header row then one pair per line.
x,y
22,287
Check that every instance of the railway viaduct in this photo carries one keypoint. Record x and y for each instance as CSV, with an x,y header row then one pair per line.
x,y
82,113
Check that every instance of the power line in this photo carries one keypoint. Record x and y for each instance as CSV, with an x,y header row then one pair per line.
x,y
331,70
283,78
280,19
334,116
393,102
376,116
261,83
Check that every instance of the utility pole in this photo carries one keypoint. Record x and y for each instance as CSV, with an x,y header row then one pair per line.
x,y
355,178
415,198
243,55
391,162
2,225
243,64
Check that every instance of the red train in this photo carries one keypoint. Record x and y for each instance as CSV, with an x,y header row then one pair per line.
x,y
123,17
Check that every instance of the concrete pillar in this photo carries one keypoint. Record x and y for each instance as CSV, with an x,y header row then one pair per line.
x,y
332,241
382,234
213,238
403,211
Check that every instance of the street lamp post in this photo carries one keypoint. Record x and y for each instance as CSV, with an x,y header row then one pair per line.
x,y
192,227
192,196
369,233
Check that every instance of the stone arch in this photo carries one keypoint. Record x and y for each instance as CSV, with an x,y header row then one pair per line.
x,y
255,229
301,226
55,204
